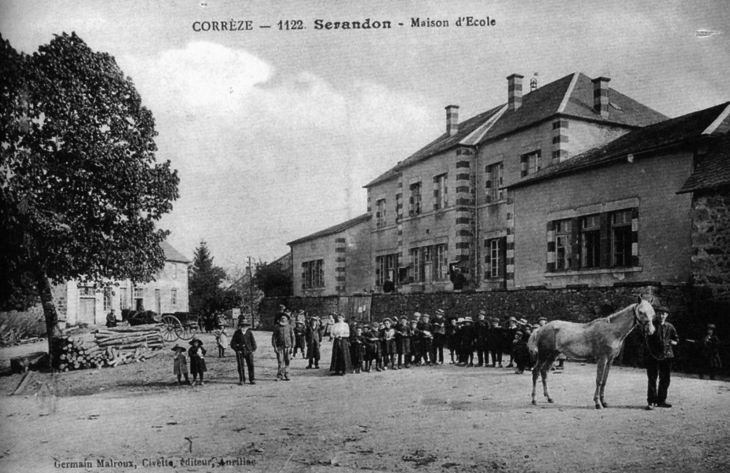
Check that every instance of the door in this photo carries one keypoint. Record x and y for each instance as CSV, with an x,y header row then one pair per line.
x,y
87,310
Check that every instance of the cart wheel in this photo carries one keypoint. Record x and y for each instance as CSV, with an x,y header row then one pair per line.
x,y
171,328
189,332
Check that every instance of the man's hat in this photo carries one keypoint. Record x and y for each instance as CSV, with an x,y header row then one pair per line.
x,y
282,315
282,306
440,312
512,319
495,320
518,334
299,322
199,341
522,322
468,319
403,317
414,321
426,315
482,312
244,323
712,326
178,348
387,320
460,320
417,314
661,308
542,318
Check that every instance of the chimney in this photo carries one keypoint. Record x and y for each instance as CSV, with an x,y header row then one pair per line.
x,y
600,95
514,91
452,119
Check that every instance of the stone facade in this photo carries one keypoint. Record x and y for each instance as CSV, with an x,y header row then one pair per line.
x,y
711,240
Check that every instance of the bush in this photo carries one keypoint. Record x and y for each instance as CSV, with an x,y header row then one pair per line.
x,y
15,326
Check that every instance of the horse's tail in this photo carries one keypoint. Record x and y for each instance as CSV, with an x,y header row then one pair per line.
x,y
532,343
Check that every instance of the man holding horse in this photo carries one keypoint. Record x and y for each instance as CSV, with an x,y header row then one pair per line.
x,y
659,360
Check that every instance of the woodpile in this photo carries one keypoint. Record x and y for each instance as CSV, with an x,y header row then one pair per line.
x,y
109,347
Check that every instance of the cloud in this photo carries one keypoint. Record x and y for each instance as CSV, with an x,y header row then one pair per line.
x,y
266,158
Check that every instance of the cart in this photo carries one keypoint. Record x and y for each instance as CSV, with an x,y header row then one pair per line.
x,y
182,325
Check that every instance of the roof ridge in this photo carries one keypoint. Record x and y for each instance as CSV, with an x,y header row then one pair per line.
x,y
722,119
569,92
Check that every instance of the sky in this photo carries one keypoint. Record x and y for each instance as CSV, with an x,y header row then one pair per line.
x,y
274,133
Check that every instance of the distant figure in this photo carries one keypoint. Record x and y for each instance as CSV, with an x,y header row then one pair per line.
x,y
458,279
710,353
313,340
221,340
111,319
180,364
299,337
282,339
388,286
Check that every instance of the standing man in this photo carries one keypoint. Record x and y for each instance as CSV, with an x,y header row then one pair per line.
x,y
282,339
659,360
439,338
244,344
482,332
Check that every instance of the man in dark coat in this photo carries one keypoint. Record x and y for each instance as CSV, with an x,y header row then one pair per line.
x,y
482,332
439,337
425,339
244,344
282,339
659,360
313,339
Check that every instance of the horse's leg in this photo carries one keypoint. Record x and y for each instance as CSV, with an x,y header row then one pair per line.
x,y
609,362
545,368
535,373
600,368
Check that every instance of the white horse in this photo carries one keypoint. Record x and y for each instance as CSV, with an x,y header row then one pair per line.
x,y
600,339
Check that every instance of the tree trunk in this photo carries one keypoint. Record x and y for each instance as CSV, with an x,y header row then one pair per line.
x,y
53,331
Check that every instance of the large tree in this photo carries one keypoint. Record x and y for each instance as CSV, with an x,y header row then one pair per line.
x,y
273,279
80,187
207,296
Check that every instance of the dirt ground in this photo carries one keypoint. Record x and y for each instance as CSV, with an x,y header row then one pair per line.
x,y
428,419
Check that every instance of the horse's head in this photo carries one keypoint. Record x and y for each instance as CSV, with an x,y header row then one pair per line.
x,y
645,315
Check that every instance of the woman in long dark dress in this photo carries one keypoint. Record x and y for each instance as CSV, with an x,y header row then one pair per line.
x,y
341,357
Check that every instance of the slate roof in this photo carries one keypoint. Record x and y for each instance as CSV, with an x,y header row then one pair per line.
x,y
713,170
332,230
171,254
657,136
570,96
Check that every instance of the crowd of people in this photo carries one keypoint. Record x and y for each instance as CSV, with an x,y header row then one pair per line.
x,y
393,344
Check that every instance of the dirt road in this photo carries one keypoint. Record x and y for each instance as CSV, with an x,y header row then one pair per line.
x,y
443,418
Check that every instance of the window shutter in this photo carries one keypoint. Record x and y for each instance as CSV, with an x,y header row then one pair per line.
x,y
550,248
635,237
523,165
575,244
503,256
605,249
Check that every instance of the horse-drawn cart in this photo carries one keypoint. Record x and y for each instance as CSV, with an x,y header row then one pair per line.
x,y
182,325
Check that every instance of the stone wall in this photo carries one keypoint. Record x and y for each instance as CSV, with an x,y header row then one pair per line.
x,y
711,241
691,309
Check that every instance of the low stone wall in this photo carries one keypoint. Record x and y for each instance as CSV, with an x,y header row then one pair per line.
x,y
691,309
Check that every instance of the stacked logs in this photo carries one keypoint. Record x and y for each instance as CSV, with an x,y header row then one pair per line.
x,y
109,347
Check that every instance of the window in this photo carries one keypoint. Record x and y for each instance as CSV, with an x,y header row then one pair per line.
x,y
107,299
123,298
440,263
380,213
415,199
138,293
440,192
605,240
417,273
313,274
529,163
495,181
621,238
88,291
495,257
385,267
173,297
563,233
590,241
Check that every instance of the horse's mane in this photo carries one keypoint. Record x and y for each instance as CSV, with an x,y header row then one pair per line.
x,y
610,318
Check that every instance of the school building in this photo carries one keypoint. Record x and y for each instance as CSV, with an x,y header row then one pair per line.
x,y
572,183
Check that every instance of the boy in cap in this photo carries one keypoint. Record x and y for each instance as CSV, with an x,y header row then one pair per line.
x,y
425,339
709,352
244,345
357,349
403,335
415,342
496,342
313,340
282,339
299,337
372,347
180,364
452,339
481,330
509,337
521,353
659,360
439,337
388,344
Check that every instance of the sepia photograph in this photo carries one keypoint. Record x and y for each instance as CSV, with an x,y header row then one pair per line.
x,y
328,237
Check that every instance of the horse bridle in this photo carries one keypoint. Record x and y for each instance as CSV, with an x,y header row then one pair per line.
x,y
643,332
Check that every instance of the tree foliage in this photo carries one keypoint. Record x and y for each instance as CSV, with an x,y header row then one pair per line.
x,y
273,279
80,188
207,297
